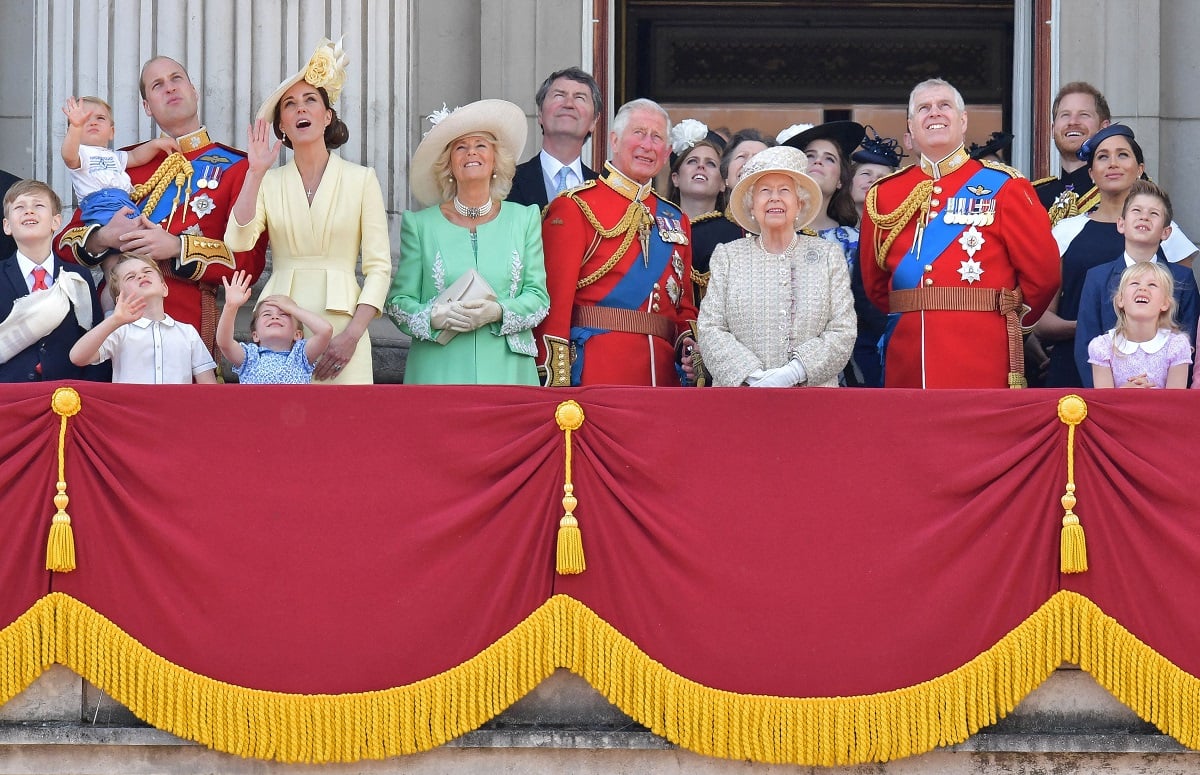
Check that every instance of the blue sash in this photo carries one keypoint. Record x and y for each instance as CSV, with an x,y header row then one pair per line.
x,y
937,234
633,289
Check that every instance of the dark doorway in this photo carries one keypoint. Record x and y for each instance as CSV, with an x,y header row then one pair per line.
x,y
773,64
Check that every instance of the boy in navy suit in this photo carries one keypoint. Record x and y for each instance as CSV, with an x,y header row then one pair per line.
x,y
45,305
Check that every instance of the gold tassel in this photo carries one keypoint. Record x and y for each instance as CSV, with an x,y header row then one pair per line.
x,y
1072,543
569,557
60,547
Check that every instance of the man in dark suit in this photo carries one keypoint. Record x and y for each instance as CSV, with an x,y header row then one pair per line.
x,y
57,300
568,103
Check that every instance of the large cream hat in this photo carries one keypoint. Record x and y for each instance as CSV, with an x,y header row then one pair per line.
x,y
326,68
781,159
499,118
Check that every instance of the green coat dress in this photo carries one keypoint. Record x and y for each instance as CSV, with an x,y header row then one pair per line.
x,y
433,254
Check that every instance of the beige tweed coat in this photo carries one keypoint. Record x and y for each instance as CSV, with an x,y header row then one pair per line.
x,y
762,310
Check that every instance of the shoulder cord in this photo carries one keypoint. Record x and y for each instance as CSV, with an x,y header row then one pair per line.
x,y
636,216
174,169
895,221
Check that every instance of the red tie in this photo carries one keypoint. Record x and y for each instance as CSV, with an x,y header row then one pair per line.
x,y
39,279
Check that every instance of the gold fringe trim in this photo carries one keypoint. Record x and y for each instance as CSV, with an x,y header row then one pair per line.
x,y
26,648
299,728
1145,681
820,731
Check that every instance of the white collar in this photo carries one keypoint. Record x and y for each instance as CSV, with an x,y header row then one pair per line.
x,y
1126,347
1130,262
147,322
551,166
27,264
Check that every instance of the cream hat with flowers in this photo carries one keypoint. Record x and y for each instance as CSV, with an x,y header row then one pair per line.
x,y
499,118
780,159
326,69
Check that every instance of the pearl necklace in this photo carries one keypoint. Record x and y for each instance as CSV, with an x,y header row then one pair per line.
x,y
472,212
791,246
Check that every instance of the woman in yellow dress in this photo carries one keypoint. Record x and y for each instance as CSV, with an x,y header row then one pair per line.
x,y
320,212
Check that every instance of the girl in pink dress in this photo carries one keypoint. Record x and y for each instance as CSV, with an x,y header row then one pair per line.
x,y
1146,348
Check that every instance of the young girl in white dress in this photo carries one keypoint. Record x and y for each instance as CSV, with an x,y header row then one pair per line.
x,y
1146,348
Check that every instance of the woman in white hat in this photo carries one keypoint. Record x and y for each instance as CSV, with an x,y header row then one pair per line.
x,y
471,283
320,212
778,312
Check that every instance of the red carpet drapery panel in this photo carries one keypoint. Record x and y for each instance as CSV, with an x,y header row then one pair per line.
x,y
820,576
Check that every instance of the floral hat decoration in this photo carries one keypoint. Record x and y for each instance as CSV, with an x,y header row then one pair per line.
x,y
689,133
499,118
326,69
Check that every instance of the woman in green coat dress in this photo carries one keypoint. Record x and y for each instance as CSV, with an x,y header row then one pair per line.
x,y
471,283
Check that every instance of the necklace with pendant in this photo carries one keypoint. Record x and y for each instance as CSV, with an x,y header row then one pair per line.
x,y
472,212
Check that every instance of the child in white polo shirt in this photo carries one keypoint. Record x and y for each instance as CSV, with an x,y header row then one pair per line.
x,y
145,344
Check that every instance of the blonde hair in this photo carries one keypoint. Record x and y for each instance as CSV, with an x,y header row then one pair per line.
x,y
1166,318
503,169
98,101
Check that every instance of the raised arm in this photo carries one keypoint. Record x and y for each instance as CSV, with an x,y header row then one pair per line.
x,y
128,309
77,112
237,293
260,157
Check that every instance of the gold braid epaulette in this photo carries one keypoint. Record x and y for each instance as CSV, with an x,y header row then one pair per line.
x,y
895,221
635,216
172,167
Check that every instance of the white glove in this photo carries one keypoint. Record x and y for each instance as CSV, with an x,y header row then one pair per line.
x,y
480,312
449,317
787,375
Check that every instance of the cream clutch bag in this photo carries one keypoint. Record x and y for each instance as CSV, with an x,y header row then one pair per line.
x,y
469,287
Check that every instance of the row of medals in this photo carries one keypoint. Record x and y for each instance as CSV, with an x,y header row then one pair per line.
x,y
969,212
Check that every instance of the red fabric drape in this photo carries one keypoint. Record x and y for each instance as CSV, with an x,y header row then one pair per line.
x,y
313,541
1140,506
816,543
28,472
794,543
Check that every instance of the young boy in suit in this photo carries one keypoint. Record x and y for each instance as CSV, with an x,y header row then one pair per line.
x,y
45,305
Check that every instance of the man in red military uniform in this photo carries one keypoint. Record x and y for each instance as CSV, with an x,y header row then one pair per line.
x,y
184,214
618,268
955,250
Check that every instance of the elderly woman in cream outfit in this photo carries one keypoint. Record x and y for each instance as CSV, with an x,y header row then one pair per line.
x,y
321,213
778,312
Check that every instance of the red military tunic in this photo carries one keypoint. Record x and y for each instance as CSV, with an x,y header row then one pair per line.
x,y
199,213
593,249
1006,243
